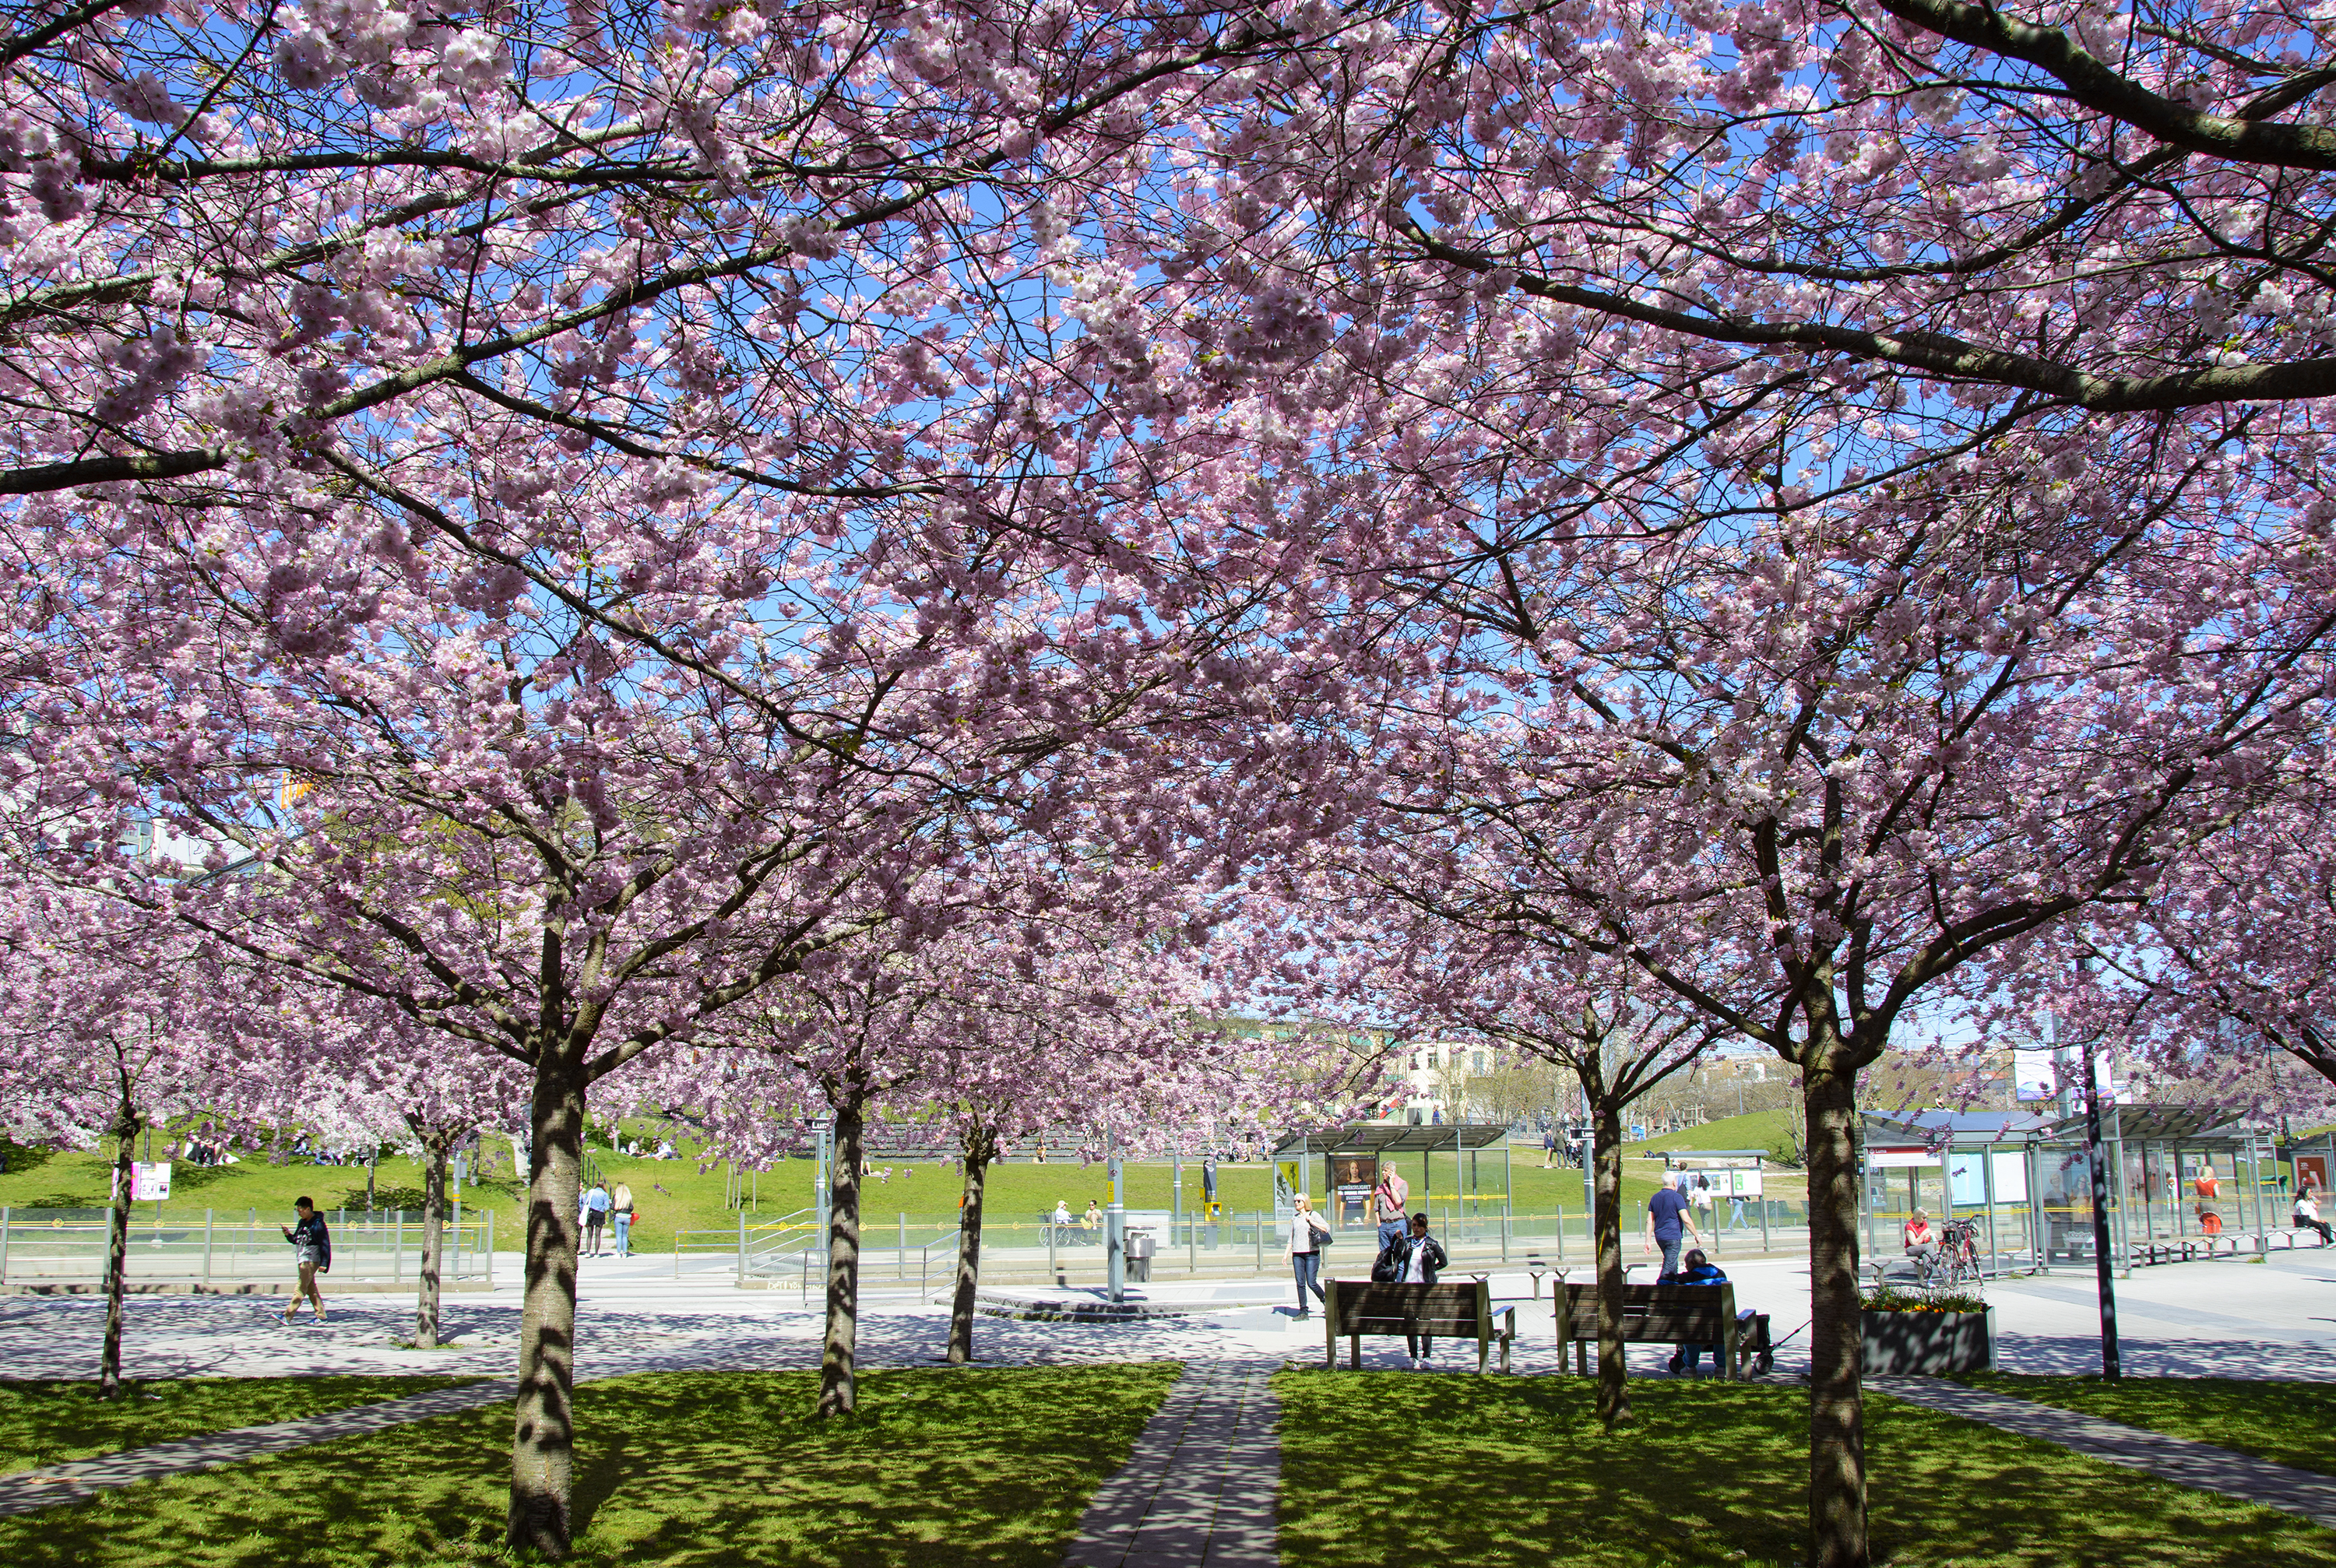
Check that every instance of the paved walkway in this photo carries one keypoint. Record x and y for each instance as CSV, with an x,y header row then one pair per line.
x,y
1200,1489
27,1491
2185,1460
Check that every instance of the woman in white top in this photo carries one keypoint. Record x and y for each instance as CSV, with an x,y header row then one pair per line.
x,y
1308,1231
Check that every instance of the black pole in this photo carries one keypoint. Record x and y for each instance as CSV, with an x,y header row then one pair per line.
x,y
2101,1269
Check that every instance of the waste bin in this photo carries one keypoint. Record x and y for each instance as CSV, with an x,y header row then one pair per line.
x,y
1141,1245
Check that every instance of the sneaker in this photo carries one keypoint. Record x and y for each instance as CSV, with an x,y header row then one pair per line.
x,y
1415,1362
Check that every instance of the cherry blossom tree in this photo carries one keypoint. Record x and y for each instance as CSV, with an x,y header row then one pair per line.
x,y
1802,775
1434,948
111,1027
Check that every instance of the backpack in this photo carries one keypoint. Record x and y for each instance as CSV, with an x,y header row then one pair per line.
x,y
1392,1259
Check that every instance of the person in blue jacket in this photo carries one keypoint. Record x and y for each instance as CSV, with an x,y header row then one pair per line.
x,y
1695,1269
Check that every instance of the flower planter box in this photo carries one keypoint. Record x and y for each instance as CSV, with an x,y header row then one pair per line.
x,y
1928,1344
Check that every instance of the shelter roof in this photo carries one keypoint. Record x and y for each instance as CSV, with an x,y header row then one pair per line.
x,y
2163,1123
1390,1138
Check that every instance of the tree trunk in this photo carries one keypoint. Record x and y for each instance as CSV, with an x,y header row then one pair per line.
x,y
838,1392
1836,1399
543,1437
433,1241
980,1150
117,1258
1606,1221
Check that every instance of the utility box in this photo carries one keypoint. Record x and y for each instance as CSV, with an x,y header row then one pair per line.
x,y
1141,1245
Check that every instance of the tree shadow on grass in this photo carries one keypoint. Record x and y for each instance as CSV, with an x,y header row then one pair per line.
x,y
938,1467
1517,1471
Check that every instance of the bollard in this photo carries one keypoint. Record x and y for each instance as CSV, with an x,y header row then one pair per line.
x,y
491,1249
901,1252
397,1246
742,1249
1259,1216
1561,1233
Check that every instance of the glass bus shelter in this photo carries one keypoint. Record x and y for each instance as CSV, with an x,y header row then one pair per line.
x,y
2182,1183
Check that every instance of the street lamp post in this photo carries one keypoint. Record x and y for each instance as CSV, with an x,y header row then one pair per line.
x,y
1115,1234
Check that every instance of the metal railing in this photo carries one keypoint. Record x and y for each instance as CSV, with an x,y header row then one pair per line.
x,y
51,1249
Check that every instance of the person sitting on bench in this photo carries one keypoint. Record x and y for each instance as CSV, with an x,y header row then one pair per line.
x,y
1922,1242
1695,1269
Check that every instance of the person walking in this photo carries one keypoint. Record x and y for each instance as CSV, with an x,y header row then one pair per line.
x,y
1422,1260
1307,1234
596,1218
312,1255
1387,1200
620,1211
1548,1147
1666,1219
2208,1190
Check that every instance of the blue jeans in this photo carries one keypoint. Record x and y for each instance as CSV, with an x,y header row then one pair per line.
x,y
1670,1252
1308,1267
624,1229
1391,1229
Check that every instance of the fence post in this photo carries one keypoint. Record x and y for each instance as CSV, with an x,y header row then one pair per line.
x,y
1561,1233
398,1247
491,1250
3,1243
1191,1245
741,1247
1258,1214
207,1248
901,1252
1504,1235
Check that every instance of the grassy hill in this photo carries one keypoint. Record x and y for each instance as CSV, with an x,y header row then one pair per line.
x,y
1769,1129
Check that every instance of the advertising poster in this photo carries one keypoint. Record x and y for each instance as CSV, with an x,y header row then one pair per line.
x,y
1352,1177
149,1183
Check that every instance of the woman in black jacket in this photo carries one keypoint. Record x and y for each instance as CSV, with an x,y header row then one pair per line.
x,y
1422,1258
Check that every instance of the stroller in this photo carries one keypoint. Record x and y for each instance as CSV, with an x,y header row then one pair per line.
x,y
1752,1342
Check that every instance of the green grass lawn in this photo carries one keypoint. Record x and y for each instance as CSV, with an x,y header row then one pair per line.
x,y
48,1422
675,1194
938,1467
2287,1423
1769,1129
1492,1472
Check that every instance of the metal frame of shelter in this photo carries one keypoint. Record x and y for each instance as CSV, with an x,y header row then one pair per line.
x,y
1386,1140
2026,1180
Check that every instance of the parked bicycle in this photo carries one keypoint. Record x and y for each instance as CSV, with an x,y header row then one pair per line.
x,y
1956,1261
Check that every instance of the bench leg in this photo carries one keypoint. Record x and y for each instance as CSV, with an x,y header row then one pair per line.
x,y
1355,1352
1505,1355
1484,1352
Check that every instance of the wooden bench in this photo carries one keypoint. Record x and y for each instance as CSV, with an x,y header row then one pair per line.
x,y
1448,1309
1654,1315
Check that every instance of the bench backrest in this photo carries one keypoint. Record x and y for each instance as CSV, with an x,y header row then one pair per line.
x,y
1660,1312
1449,1307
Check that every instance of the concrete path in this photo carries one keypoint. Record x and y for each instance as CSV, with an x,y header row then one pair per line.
x,y
1200,1489
2185,1460
27,1491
